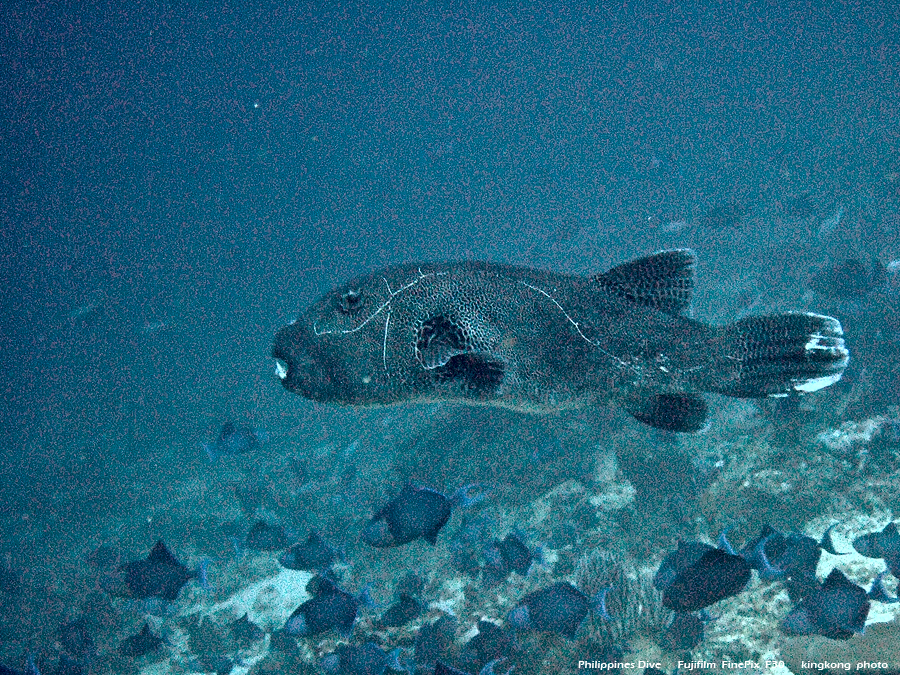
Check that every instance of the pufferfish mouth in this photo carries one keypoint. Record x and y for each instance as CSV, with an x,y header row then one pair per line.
x,y
304,368
292,370
292,362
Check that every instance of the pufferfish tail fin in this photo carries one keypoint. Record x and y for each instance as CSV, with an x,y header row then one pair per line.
x,y
778,354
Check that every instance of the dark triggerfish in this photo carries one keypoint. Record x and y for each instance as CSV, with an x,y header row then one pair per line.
x,y
698,575
141,644
313,554
884,544
330,608
837,610
417,512
159,575
559,608
537,341
234,439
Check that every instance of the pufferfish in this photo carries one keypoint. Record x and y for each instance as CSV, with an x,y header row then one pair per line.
x,y
539,341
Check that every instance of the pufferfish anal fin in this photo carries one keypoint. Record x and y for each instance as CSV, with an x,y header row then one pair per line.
x,y
669,411
662,281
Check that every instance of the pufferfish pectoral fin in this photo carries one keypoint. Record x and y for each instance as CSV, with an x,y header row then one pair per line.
x,y
444,346
439,339
668,411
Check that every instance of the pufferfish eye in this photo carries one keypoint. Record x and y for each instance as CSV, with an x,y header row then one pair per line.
x,y
350,301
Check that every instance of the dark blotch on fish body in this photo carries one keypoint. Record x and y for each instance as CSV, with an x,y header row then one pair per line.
x,y
685,631
75,637
433,641
105,557
849,278
369,659
406,606
11,671
789,557
66,665
10,579
502,557
244,632
441,668
800,206
416,513
729,214
234,439
410,583
687,553
490,644
539,342
698,575
836,610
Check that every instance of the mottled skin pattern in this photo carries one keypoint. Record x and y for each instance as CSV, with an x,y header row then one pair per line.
x,y
538,341
561,341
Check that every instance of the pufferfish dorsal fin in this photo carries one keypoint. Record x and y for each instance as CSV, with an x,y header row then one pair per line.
x,y
662,281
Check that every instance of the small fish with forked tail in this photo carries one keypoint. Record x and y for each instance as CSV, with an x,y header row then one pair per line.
x,y
159,575
416,513
234,439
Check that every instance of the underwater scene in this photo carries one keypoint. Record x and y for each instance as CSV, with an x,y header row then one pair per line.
x,y
471,338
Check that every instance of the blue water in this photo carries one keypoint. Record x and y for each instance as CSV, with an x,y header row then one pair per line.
x,y
178,181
